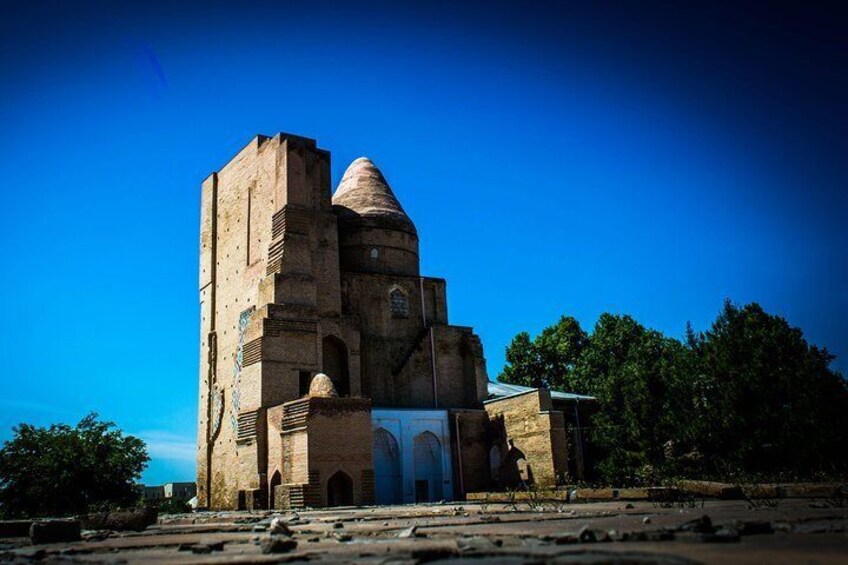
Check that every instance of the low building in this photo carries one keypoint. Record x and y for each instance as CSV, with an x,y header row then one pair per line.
x,y
181,491
565,413
153,493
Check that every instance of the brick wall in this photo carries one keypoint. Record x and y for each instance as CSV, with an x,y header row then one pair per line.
x,y
320,437
536,431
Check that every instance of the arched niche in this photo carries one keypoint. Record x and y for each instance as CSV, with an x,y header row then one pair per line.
x,y
398,303
428,467
334,354
495,464
276,480
340,490
387,468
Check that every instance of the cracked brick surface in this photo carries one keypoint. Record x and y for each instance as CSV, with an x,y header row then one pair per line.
x,y
609,532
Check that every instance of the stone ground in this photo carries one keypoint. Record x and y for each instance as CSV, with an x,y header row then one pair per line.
x,y
785,531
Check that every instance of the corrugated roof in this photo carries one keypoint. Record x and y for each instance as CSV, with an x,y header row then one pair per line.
x,y
501,390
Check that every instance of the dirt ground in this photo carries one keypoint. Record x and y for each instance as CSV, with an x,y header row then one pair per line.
x,y
786,531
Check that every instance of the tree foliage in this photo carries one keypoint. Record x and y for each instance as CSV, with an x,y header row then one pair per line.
x,y
549,360
636,375
749,395
767,399
64,470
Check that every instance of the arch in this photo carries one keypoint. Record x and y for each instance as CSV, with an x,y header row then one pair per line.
x,y
428,467
387,469
276,480
340,490
495,463
334,354
399,302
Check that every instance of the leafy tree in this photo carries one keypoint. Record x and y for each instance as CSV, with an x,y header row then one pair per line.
x,y
767,400
65,470
644,400
749,396
523,366
549,360
560,347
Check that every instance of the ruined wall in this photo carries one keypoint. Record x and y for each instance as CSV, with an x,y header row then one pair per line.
x,y
268,274
538,432
227,296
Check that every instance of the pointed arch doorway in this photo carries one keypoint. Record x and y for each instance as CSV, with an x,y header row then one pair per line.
x,y
387,468
428,467
340,490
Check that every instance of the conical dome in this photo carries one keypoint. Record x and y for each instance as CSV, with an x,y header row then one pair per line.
x,y
375,234
364,193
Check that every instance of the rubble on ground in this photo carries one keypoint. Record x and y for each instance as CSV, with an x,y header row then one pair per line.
x,y
726,531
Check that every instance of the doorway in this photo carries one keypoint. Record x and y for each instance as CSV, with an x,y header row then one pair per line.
x,y
387,470
428,467
340,490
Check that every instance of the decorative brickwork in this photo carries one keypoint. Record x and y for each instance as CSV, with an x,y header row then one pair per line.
x,y
295,413
252,352
290,220
275,257
247,422
274,327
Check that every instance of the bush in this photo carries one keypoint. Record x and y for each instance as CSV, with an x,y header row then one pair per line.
x,y
172,506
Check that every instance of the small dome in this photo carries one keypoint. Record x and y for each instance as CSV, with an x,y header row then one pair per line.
x,y
364,193
322,387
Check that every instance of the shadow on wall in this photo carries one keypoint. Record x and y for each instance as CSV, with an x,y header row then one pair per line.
x,y
507,463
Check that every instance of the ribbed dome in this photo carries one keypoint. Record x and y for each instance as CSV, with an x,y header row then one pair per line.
x,y
365,193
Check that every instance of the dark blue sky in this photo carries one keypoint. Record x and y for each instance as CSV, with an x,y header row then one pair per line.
x,y
650,158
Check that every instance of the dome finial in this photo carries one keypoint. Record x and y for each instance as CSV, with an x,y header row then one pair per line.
x,y
322,387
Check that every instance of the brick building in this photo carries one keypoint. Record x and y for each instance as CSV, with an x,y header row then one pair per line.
x,y
329,373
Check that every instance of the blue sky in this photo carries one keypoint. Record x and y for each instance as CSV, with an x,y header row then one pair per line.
x,y
639,158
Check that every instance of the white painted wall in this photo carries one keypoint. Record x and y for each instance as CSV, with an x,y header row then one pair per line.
x,y
405,425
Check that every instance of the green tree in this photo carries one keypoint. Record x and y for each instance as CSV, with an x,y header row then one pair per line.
x,y
523,366
768,401
66,470
549,360
644,400
750,395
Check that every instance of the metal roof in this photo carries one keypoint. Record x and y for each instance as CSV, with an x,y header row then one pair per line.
x,y
501,390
